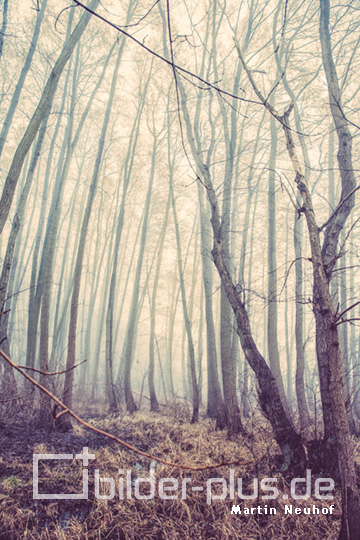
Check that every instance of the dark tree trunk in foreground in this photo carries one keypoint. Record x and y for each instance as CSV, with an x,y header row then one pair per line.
x,y
337,450
337,434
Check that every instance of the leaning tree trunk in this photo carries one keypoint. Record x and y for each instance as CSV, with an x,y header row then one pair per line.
x,y
8,264
19,85
38,116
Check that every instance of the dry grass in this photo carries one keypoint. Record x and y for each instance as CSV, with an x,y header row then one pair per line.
x,y
172,439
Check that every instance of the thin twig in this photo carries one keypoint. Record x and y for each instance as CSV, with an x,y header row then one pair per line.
x,y
288,270
348,320
52,372
16,398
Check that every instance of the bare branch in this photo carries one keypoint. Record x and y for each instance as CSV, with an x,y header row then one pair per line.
x,y
163,59
52,372
346,310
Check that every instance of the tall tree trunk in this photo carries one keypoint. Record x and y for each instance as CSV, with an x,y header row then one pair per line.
x,y
299,327
109,341
188,328
215,402
272,341
130,339
71,354
16,227
337,443
154,406
297,239
337,436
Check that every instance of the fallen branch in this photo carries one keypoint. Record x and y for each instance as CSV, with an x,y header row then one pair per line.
x,y
112,437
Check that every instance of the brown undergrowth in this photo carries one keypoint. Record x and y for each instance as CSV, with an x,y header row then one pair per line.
x,y
168,436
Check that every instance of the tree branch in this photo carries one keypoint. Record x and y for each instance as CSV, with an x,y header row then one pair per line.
x,y
338,208
52,372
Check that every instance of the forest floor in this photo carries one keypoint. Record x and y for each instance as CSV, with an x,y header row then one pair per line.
x,y
192,513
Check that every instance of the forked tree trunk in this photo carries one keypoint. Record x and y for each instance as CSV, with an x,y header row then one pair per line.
x,y
337,449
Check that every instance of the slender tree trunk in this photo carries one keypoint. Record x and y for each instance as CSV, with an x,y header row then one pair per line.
x,y
191,350
130,339
299,327
154,406
272,342
215,402
71,355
